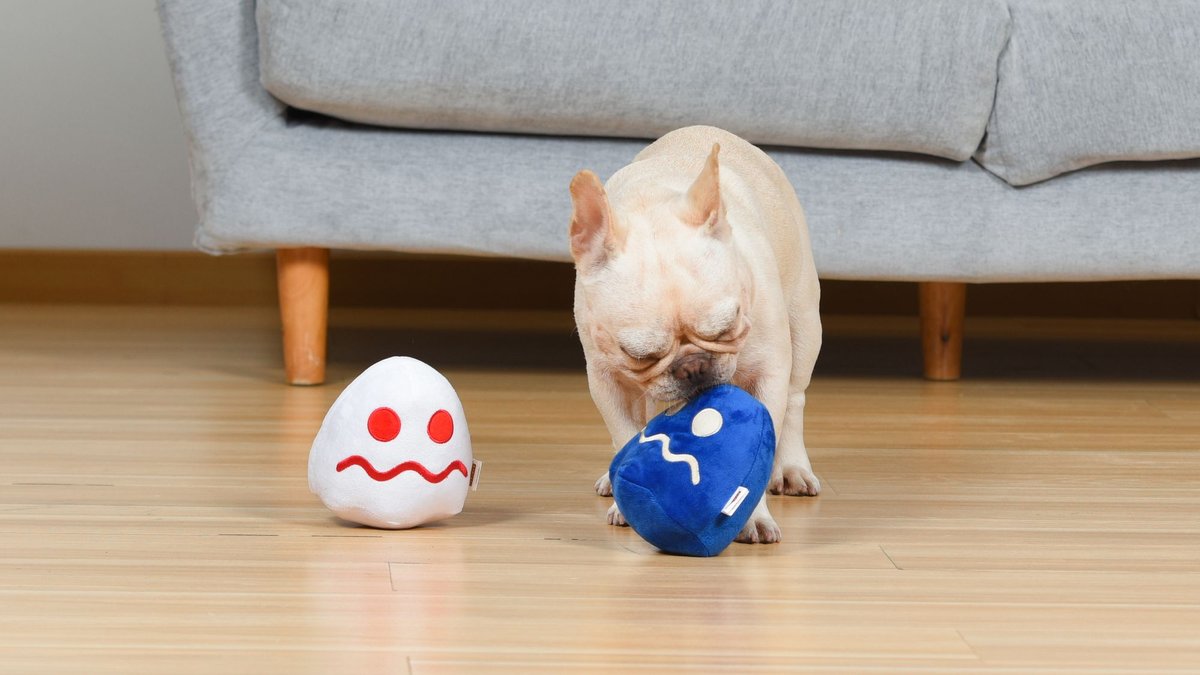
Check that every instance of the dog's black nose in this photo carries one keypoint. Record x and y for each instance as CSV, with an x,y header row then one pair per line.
x,y
693,369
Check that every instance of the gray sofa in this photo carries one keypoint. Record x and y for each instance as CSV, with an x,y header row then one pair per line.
x,y
939,141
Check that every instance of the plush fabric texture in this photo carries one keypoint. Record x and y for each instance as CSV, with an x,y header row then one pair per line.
x,y
394,450
674,481
212,47
908,75
1089,81
264,179
897,217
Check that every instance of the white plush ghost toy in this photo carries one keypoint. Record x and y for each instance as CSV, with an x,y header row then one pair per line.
x,y
394,450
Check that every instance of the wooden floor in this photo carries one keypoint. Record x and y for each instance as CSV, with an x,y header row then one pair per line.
x,y
1042,515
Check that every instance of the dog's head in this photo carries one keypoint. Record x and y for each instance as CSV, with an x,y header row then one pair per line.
x,y
665,298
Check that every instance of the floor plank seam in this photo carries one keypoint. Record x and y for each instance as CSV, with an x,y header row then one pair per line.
x,y
889,557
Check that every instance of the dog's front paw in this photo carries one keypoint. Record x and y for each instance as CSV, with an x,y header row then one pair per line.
x,y
760,530
796,481
604,486
615,517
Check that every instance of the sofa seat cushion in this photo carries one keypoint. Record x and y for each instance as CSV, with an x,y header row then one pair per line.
x,y
907,75
872,215
1084,82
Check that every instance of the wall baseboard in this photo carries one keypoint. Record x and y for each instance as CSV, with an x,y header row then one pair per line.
x,y
403,281
136,277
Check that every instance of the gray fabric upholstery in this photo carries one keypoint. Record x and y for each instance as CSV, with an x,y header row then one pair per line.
x,y
264,181
1090,81
212,47
898,217
908,75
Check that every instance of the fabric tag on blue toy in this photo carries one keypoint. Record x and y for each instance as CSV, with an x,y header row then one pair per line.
x,y
689,481
739,496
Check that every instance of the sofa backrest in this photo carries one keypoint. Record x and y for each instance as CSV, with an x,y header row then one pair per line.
x,y
902,75
1084,82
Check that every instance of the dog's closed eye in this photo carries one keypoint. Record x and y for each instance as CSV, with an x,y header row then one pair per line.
x,y
721,324
715,335
644,360
644,345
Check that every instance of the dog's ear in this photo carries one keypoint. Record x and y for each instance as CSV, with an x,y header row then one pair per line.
x,y
704,208
593,240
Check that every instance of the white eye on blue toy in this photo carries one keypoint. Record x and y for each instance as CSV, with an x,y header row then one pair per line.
x,y
690,480
707,423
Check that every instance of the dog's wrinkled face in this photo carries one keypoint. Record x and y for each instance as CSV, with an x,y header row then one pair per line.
x,y
666,302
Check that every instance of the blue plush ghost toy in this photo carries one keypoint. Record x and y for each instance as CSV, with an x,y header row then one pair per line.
x,y
690,480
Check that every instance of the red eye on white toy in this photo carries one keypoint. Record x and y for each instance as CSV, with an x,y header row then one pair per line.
x,y
383,424
441,427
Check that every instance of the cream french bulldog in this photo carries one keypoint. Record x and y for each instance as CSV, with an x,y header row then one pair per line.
x,y
693,268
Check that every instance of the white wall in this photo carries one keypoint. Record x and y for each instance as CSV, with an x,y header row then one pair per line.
x,y
92,154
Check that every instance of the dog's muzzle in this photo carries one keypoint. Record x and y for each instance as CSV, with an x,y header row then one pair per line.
x,y
694,370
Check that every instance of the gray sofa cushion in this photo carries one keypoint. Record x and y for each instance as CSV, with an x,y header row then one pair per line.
x,y
1090,81
872,215
908,75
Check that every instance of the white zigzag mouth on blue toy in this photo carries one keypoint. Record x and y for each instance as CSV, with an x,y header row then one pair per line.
x,y
665,440
707,422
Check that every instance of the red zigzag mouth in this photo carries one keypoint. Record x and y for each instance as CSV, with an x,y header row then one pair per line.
x,y
381,476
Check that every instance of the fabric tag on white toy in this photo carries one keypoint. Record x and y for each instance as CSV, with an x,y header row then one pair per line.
x,y
739,496
476,469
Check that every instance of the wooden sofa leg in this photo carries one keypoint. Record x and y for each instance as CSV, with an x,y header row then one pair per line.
x,y
303,275
943,309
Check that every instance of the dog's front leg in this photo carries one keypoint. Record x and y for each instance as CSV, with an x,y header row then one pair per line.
x,y
624,415
620,410
772,391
